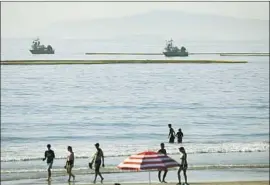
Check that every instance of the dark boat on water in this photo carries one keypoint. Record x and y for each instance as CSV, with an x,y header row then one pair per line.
x,y
41,49
174,51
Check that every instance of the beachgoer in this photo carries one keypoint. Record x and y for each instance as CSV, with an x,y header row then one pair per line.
x,y
70,163
162,151
49,154
171,135
179,135
97,160
183,165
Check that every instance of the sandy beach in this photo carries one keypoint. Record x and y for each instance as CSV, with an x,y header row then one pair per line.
x,y
170,183
211,177
206,183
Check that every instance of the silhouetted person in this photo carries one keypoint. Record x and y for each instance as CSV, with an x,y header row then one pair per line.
x,y
171,135
97,160
70,163
162,151
49,154
179,135
183,165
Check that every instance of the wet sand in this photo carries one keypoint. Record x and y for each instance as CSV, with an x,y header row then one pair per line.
x,y
170,183
206,183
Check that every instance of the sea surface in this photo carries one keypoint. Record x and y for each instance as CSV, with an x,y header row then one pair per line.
x,y
222,109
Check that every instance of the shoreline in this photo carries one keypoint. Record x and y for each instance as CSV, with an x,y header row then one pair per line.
x,y
238,163
195,176
54,62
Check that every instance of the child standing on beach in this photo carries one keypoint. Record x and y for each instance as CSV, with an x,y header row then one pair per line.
x,y
183,165
49,154
179,135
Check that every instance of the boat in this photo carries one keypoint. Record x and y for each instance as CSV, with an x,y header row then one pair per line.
x,y
174,51
41,49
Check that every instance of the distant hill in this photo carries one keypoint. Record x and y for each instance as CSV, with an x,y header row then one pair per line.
x,y
164,25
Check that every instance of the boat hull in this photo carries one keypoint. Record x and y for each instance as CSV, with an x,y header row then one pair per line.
x,y
179,54
39,52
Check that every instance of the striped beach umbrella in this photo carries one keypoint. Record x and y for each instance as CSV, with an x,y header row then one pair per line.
x,y
148,160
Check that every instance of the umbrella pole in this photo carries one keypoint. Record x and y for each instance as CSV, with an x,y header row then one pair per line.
x,y
149,178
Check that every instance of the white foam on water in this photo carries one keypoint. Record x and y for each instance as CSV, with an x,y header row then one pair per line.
x,y
117,150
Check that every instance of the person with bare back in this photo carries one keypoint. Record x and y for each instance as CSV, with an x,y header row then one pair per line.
x,y
171,135
162,151
179,135
97,160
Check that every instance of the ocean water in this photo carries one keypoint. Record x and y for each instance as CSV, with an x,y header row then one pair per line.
x,y
222,109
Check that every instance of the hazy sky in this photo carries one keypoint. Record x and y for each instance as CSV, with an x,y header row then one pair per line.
x,y
28,18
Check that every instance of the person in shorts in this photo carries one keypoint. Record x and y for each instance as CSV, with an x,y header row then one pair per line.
x,y
97,160
49,155
162,150
70,163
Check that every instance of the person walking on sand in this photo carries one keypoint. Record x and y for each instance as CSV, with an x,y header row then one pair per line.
x,y
162,151
171,135
97,160
70,163
179,135
183,166
49,155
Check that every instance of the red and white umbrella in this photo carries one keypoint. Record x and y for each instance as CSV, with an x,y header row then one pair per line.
x,y
148,160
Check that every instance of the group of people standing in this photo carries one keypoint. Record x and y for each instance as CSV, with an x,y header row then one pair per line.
x,y
97,160
172,134
183,165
